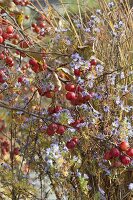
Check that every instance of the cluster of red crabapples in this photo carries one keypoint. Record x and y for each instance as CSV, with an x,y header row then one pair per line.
x,y
5,145
55,128
21,2
74,94
40,26
123,154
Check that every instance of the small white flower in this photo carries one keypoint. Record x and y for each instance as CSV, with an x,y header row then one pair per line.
x,y
86,176
98,11
122,75
130,186
111,4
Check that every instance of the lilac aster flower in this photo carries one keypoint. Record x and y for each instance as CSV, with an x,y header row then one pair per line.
x,y
130,186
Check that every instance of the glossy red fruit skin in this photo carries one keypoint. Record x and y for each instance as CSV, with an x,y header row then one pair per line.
x,y
10,29
53,127
32,61
129,152
70,87
70,144
57,109
77,72
20,79
50,132
40,91
41,24
124,146
1,39
61,129
70,96
51,110
37,29
107,155
24,44
125,160
34,25
48,94
2,56
8,60
75,139
115,152
93,62
35,68
16,36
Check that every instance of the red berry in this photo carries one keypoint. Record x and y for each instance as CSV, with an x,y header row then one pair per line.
x,y
75,139
34,25
50,132
51,110
16,151
61,129
37,29
107,155
70,144
57,108
70,96
53,127
125,160
27,16
5,36
41,24
129,152
77,72
35,68
24,44
1,39
8,60
16,36
9,29
93,62
20,79
32,61
115,152
70,87
48,94
40,91
124,146
2,56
